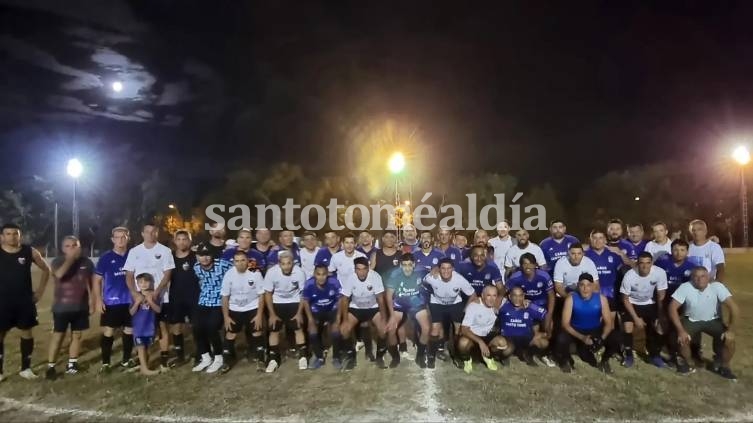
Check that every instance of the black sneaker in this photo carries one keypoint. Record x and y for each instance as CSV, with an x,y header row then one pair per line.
x,y
726,373
442,354
431,362
72,369
395,361
225,368
528,358
684,369
349,364
370,356
605,368
50,374
421,360
567,368
176,362
380,362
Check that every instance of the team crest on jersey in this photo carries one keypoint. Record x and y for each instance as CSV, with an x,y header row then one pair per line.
x,y
688,272
158,256
452,256
295,284
525,315
331,292
435,261
22,260
251,283
610,259
369,287
112,262
539,285
394,262
456,289
488,276
186,266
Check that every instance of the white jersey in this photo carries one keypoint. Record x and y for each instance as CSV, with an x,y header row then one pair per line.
x,y
707,255
658,250
480,318
363,294
641,289
342,264
448,293
568,275
155,261
307,261
501,246
512,258
244,289
286,289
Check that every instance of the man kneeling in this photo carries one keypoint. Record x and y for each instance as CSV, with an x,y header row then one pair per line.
x,y
477,330
518,323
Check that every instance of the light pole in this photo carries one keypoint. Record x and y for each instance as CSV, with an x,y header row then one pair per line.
x,y
75,168
742,156
396,164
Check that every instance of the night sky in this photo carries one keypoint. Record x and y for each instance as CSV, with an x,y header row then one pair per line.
x,y
548,93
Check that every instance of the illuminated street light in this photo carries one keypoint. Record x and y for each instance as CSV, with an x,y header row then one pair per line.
x,y
396,163
75,169
171,206
637,198
742,156
117,86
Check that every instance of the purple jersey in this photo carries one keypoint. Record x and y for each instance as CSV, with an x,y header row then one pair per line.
x,y
114,288
630,249
427,261
555,250
143,321
514,322
677,274
323,256
453,253
273,259
256,260
536,289
322,299
608,265
487,275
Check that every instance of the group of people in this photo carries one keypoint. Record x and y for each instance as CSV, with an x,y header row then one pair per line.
x,y
502,297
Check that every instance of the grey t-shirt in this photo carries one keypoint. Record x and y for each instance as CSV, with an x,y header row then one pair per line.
x,y
72,290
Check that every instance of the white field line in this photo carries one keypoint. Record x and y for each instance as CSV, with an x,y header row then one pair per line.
x,y
430,393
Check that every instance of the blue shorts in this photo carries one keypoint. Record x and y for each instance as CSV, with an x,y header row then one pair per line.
x,y
143,341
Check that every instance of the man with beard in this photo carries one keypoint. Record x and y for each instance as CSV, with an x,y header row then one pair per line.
x,y
479,272
522,246
617,244
331,246
184,293
501,243
557,244
447,249
320,298
427,256
635,244
366,243
608,266
288,244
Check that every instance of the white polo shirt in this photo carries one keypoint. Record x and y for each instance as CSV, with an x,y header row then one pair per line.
x,y
363,294
307,261
701,306
285,289
480,318
641,289
342,264
155,261
448,293
657,250
512,258
707,255
568,275
244,289
501,246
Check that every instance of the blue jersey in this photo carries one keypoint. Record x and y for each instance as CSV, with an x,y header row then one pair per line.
x,y
453,253
586,314
210,282
427,261
114,288
519,322
488,275
256,260
555,250
676,274
367,253
322,299
143,321
407,292
273,259
536,290
608,265
630,249
323,256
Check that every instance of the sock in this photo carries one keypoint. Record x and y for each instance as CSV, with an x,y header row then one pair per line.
x,y
394,353
163,357
274,353
336,344
627,341
178,347
403,347
381,347
2,354
27,348
50,365
420,349
256,344
105,344
316,346
72,362
229,348
434,345
301,350
127,346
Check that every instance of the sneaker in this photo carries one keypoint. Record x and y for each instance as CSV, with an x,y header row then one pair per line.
x,y
431,362
658,361
370,356
337,363
684,369
395,362
303,364
72,369
405,355
490,364
468,366
225,368
316,363
130,365
105,369
359,345
164,369
50,374
28,374
205,362
421,360
350,364
567,368
629,361
176,362
726,373
547,361
380,362
272,366
605,368
260,367
528,358
216,364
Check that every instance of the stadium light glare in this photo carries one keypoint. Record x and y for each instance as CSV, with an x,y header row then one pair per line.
x,y
741,155
74,168
117,86
396,163
637,198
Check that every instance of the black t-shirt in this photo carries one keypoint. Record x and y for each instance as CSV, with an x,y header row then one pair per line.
x,y
15,273
215,250
184,285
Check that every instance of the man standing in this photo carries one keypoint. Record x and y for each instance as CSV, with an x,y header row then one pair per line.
x,y
72,303
113,299
460,241
557,244
386,259
308,253
216,242
704,252
523,245
427,256
263,244
447,249
341,264
480,273
156,259
643,290
501,243
410,239
184,293
320,298
608,266
17,298
679,270
567,272
634,245
332,246
701,301
256,260
287,243
366,243
661,245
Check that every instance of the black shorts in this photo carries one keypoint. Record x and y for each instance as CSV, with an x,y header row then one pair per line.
x,y
286,311
446,313
77,320
207,319
647,312
242,319
116,316
17,314
180,311
410,313
615,304
490,336
520,342
325,317
363,315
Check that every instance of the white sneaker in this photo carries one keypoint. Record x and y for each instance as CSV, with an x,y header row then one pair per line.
x,y
216,364
28,375
359,345
272,366
405,355
548,362
303,364
206,361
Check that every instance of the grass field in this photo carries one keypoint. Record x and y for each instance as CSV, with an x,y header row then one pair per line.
x,y
517,393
